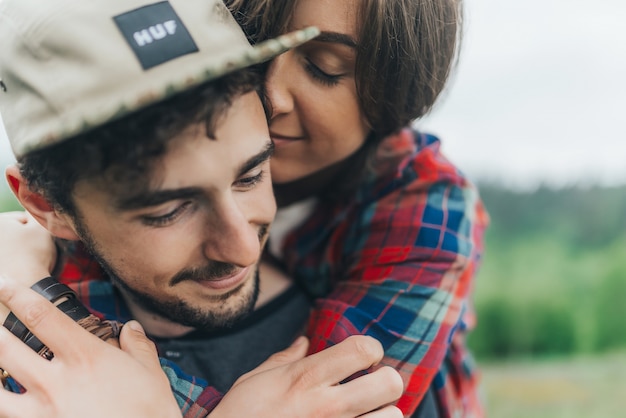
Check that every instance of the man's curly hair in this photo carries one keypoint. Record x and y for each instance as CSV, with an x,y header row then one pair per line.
x,y
121,153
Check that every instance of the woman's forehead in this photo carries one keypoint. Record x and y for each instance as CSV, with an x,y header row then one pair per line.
x,y
338,16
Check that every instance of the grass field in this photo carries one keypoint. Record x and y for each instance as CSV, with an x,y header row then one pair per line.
x,y
579,387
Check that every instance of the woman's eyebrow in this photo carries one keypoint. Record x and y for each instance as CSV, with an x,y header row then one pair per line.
x,y
336,37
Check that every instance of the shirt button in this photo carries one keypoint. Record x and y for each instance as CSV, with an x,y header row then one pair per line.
x,y
173,355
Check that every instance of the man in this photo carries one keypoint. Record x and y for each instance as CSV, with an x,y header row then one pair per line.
x,y
140,134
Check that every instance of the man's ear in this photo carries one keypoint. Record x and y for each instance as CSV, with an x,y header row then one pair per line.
x,y
58,224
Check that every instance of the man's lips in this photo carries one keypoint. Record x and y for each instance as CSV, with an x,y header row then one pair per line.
x,y
226,282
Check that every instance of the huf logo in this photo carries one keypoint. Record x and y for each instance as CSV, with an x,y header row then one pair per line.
x,y
155,33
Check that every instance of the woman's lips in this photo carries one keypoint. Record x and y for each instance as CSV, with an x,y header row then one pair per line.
x,y
280,140
226,282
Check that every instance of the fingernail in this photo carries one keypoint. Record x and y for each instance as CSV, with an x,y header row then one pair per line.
x,y
135,326
299,341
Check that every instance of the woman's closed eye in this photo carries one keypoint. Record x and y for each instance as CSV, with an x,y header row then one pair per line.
x,y
321,76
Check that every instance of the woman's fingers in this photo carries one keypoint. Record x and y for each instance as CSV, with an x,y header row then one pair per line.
x,y
309,387
55,329
85,371
16,358
372,390
291,354
133,340
352,355
13,405
390,411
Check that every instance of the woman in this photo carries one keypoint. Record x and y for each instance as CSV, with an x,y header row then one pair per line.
x,y
374,222
383,230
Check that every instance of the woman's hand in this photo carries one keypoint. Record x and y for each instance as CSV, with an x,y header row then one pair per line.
x,y
27,250
291,385
87,377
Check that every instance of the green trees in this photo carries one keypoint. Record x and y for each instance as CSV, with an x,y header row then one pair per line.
x,y
553,279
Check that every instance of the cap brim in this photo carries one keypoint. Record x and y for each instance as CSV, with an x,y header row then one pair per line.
x,y
256,54
269,49
92,116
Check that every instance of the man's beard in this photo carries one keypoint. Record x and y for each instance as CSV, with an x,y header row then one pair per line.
x,y
179,311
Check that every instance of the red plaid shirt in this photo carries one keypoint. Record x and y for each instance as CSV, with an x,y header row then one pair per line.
x,y
395,261
399,258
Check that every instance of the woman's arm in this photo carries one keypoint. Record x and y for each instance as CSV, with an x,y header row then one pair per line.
x,y
88,377
400,268
27,250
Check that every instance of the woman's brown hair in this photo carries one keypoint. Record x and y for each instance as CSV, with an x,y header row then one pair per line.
x,y
406,50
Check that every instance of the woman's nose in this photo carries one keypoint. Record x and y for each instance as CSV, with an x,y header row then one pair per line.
x,y
277,85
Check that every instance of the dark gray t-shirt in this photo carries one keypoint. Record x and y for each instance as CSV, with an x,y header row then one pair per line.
x,y
220,357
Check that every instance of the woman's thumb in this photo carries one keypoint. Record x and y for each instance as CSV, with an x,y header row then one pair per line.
x,y
133,340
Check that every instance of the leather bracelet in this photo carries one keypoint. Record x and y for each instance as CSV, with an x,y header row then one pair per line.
x,y
16,326
49,288
33,342
74,309
102,329
52,290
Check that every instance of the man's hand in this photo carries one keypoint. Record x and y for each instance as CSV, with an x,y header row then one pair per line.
x,y
87,377
288,385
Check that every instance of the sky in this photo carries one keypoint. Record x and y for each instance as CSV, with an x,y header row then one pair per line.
x,y
539,93
537,97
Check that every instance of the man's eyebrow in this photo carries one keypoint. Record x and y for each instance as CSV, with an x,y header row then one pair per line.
x,y
336,37
257,160
149,198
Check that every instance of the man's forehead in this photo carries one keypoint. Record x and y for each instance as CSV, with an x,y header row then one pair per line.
x,y
194,157
160,186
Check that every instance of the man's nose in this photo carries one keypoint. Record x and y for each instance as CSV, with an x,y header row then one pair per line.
x,y
231,238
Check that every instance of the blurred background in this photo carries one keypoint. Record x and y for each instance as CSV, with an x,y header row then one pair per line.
x,y
534,116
